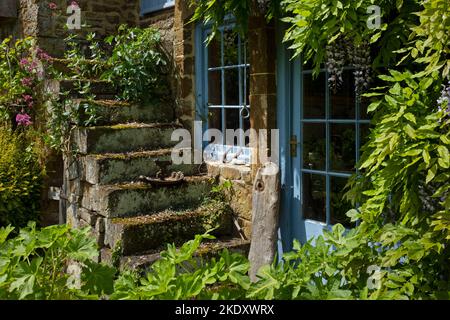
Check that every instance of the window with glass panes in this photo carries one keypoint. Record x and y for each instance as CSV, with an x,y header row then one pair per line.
x,y
228,83
333,126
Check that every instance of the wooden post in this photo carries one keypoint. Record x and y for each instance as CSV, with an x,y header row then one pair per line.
x,y
265,214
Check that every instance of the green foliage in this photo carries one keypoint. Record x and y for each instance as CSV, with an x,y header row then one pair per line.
x,y
314,24
138,64
20,179
180,274
402,187
216,12
53,263
430,39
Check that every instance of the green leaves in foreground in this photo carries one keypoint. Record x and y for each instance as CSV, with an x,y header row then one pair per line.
x,y
51,264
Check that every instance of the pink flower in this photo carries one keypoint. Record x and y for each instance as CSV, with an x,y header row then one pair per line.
x,y
52,6
27,82
23,119
27,98
43,55
32,66
24,62
74,4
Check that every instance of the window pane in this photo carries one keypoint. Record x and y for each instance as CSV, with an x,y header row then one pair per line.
x,y
215,88
232,87
343,147
215,118
365,132
314,197
232,118
343,102
314,146
247,127
364,104
214,47
338,206
246,77
314,96
230,48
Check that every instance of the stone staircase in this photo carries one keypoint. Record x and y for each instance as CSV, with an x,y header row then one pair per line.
x,y
131,220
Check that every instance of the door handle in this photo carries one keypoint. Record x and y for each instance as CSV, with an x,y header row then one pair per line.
x,y
293,142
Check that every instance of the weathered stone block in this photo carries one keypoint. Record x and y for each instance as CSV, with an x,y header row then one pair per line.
x,y
121,168
150,232
88,216
135,199
8,9
124,138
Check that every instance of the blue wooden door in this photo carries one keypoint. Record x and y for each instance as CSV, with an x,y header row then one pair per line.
x,y
321,135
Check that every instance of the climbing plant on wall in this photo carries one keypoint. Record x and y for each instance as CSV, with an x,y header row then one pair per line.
x,y
402,189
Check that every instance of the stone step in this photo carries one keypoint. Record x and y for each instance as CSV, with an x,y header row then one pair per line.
x,y
111,112
123,138
207,250
127,167
143,233
128,200
76,88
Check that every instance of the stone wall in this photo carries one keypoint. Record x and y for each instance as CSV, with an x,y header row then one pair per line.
x,y
163,21
240,195
99,16
9,11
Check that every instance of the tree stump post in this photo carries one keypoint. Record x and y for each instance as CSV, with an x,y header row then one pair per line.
x,y
265,216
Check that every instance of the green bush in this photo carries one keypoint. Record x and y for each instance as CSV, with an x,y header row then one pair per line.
x,y
54,263
138,64
20,180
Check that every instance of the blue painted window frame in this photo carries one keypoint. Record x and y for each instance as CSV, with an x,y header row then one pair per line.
x,y
149,6
202,94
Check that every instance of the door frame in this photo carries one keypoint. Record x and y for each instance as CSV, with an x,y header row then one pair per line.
x,y
290,224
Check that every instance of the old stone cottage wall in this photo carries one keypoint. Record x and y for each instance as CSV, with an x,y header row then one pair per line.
x,y
99,16
163,21
9,12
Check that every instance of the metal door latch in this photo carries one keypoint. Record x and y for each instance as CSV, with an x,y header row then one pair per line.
x,y
293,142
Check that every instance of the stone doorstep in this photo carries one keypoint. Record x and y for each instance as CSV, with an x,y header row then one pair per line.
x,y
124,138
127,200
143,233
208,249
112,112
127,167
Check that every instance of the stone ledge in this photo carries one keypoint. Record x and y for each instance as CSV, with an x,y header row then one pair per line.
x,y
230,171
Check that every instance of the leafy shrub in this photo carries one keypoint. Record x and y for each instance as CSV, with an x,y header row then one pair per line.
x,y
137,65
133,60
179,274
51,264
20,179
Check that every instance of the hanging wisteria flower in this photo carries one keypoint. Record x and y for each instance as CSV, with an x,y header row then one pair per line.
x,y
444,100
23,119
74,4
53,6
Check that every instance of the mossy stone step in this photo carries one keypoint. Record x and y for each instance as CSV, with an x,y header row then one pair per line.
x,y
99,88
127,167
128,200
123,138
144,233
207,250
110,112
